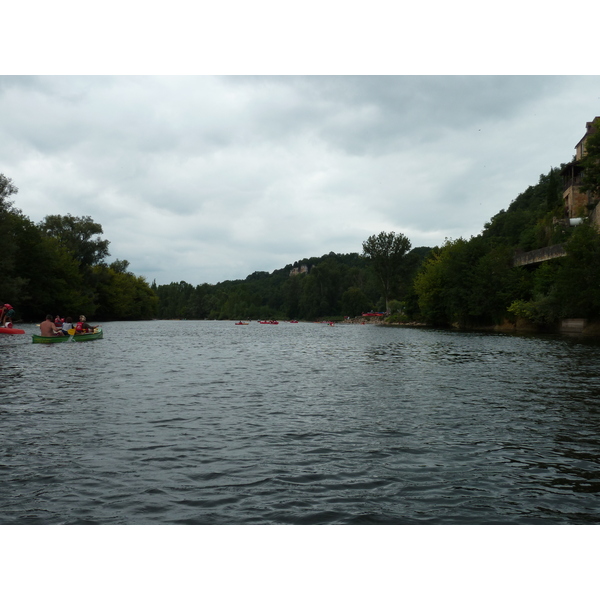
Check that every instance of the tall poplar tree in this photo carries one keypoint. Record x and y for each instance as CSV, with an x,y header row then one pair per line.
x,y
386,253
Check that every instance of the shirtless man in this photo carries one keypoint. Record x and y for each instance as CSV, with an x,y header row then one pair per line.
x,y
47,328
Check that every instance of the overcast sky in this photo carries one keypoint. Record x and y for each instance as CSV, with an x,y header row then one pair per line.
x,y
207,178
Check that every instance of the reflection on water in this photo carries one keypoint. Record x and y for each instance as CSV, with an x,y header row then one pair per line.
x,y
205,422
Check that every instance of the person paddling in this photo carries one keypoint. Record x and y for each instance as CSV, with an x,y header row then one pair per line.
x,y
83,326
67,325
48,329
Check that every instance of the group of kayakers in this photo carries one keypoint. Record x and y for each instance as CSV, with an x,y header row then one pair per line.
x,y
64,326
51,326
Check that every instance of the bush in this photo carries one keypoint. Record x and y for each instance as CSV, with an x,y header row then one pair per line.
x,y
398,318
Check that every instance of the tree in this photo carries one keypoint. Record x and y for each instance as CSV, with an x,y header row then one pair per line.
x,y
577,280
590,180
7,188
466,283
429,286
386,253
291,291
12,279
123,295
119,266
354,302
9,285
79,235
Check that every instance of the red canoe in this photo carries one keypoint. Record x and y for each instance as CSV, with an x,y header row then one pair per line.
x,y
11,330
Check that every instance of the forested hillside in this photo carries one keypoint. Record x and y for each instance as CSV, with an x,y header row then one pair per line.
x,y
473,283
335,285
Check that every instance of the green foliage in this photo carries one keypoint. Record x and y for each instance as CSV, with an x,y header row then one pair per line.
x,y
578,280
543,311
542,307
57,267
591,163
467,283
473,283
565,287
333,284
123,296
355,302
119,266
11,283
529,222
76,234
386,251
429,289
7,189
395,306
398,319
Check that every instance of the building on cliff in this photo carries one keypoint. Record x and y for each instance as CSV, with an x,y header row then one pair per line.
x,y
578,203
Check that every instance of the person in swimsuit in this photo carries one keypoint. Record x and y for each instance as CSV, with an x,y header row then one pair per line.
x,y
48,329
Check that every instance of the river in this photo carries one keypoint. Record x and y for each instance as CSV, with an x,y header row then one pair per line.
x,y
203,422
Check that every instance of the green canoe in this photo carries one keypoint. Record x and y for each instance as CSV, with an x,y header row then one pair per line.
x,y
88,337
60,339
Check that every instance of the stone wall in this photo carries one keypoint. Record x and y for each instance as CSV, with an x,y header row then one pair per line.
x,y
572,325
540,255
576,202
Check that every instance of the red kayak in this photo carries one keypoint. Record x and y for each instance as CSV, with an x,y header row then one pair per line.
x,y
11,330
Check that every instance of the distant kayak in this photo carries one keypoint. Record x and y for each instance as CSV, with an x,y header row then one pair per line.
x,y
11,330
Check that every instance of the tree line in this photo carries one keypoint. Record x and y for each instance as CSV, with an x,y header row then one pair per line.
x,y
59,266
473,282
331,286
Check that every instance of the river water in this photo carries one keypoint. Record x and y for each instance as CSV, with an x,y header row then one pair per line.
x,y
201,422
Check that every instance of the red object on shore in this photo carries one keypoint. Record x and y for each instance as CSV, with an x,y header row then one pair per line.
x,y
11,330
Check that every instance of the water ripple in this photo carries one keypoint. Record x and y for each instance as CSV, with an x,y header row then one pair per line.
x,y
208,423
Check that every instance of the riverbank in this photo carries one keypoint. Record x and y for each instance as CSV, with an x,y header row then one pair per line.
x,y
586,327
380,321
